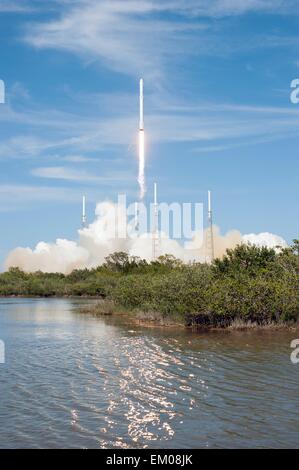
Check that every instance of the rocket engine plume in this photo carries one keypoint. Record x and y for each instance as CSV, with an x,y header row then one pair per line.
x,y
141,176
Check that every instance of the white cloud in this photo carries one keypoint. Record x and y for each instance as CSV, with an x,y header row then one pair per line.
x,y
222,8
99,239
138,37
71,174
126,36
266,239
14,197
23,146
72,137
76,158
59,172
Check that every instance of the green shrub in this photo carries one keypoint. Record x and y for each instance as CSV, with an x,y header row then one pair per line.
x,y
249,283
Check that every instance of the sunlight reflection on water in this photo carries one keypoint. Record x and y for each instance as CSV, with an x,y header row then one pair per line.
x,y
72,380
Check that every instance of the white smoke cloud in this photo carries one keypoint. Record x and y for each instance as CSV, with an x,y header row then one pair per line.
x,y
100,238
61,256
265,239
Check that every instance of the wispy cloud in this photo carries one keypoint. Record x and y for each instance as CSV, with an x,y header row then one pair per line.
x,y
245,143
138,37
23,146
76,159
127,36
81,138
223,8
71,174
14,197
132,37
60,172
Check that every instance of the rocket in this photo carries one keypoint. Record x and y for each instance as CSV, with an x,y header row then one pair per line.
x,y
141,122
141,177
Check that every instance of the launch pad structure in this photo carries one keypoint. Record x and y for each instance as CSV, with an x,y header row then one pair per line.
x,y
155,234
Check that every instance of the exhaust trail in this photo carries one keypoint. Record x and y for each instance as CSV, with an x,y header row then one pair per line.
x,y
141,154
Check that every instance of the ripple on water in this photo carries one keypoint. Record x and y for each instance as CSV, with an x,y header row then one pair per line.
x,y
75,381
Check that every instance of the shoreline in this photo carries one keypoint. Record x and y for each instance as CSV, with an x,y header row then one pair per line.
x,y
66,296
157,320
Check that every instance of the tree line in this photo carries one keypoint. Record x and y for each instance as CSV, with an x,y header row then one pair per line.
x,y
249,283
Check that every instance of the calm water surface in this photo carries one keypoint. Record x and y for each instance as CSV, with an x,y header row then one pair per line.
x,y
72,380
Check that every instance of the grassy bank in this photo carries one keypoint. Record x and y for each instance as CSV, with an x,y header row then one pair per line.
x,y
251,286
156,319
105,308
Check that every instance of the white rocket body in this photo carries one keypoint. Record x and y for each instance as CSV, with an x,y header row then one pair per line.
x,y
141,175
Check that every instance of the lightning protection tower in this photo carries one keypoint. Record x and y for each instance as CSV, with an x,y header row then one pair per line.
x,y
155,234
84,220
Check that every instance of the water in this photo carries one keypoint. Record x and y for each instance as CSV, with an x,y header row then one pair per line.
x,y
72,380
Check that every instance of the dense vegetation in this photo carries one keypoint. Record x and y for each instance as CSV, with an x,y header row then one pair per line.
x,y
249,283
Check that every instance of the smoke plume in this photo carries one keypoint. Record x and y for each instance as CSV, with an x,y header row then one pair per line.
x,y
141,157
265,239
99,239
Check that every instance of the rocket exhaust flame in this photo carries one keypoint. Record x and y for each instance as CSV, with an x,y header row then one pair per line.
x,y
141,176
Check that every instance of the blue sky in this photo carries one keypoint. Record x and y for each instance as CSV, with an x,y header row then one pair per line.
x,y
218,114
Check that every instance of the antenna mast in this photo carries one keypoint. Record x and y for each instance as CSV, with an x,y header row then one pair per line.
x,y
155,234
136,217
